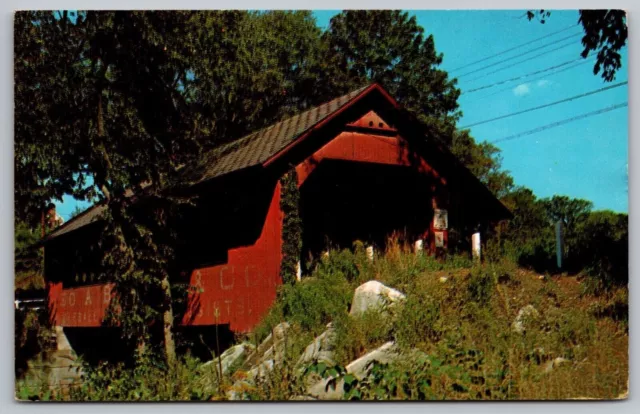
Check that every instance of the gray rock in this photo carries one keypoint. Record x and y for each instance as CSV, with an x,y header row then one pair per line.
x,y
321,349
554,363
260,371
373,295
385,354
273,347
230,359
525,315
302,398
321,390
62,343
360,368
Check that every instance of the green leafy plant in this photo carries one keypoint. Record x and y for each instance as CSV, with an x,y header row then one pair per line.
x,y
291,227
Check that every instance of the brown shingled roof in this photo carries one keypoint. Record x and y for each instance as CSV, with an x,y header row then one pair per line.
x,y
248,151
259,146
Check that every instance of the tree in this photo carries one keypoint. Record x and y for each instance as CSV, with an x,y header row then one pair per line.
x,y
110,104
604,249
106,106
390,47
484,161
605,31
529,215
28,260
253,69
570,211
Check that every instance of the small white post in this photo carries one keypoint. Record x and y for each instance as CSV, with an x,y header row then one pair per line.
x,y
418,246
476,249
369,251
298,271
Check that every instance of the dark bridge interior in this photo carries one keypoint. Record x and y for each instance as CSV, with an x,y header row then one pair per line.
x,y
345,201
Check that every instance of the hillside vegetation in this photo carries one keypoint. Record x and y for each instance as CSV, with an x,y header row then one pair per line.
x,y
464,331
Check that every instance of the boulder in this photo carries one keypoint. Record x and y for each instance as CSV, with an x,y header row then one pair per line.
x,y
260,371
385,354
320,349
373,295
272,348
360,368
525,316
59,368
230,359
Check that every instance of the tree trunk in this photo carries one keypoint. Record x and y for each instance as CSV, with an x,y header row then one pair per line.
x,y
167,319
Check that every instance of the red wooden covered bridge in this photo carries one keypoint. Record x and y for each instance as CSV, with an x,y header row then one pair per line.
x,y
365,169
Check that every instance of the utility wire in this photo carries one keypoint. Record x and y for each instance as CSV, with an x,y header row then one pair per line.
x,y
519,55
562,122
535,108
526,75
521,61
513,48
508,88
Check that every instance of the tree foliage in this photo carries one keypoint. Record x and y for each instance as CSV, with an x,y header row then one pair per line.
x,y
484,161
390,47
605,32
291,227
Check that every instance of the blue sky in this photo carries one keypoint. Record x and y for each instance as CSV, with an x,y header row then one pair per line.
x,y
584,159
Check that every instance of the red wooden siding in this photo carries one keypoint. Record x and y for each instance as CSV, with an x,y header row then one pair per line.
x,y
355,146
240,291
80,306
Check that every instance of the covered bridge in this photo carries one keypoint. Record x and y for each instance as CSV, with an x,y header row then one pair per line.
x,y
365,169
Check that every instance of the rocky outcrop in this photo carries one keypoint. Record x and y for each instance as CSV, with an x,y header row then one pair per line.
x,y
360,368
58,367
320,349
373,295
230,359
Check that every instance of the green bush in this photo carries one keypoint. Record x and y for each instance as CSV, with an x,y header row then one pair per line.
x,y
569,327
481,285
340,264
354,336
311,303
420,320
148,380
614,305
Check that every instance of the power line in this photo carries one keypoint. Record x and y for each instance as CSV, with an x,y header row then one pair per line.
x,y
519,55
562,122
606,88
513,48
522,61
508,88
526,75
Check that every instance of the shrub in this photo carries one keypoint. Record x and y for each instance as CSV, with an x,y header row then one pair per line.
x,y
340,264
357,335
569,327
311,303
148,380
615,305
481,284
419,320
